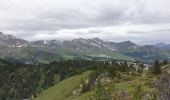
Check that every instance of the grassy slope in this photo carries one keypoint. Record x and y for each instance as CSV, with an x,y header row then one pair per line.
x,y
43,55
111,54
128,84
63,89
151,53
38,53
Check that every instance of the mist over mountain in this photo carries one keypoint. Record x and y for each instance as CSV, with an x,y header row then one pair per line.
x,y
162,46
44,51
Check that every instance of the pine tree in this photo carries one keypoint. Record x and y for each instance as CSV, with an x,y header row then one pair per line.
x,y
157,69
165,62
101,92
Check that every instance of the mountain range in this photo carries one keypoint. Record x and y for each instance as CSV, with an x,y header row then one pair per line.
x,y
45,51
162,46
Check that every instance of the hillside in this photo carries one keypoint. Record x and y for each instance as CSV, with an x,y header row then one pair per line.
x,y
67,80
64,89
135,87
22,81
128,86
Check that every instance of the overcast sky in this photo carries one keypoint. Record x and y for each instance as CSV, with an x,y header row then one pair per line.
x,y
141,21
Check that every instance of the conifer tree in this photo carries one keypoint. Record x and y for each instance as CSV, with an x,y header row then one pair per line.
x,y
156,69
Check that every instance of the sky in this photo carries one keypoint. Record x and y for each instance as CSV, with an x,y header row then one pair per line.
x,y
141,21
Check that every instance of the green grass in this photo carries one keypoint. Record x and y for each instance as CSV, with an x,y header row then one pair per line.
x,y
85,96
128,84
64,89
21,54
112,54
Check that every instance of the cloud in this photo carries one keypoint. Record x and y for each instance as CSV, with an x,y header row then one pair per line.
x,y
107,19
141,34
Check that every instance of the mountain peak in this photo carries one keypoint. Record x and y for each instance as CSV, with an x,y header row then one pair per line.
x,y
128,42
160,44
79,40
8,39
96,39
6,36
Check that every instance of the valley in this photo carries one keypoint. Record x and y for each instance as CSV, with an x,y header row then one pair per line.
x,y
45,51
